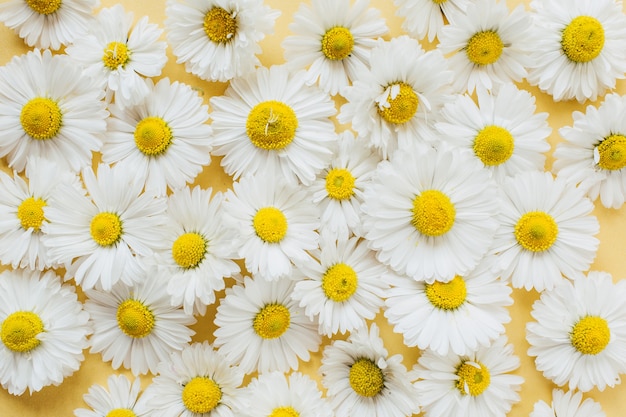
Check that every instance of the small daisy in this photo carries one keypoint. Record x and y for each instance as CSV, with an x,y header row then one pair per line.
x,y
48,23
568,404
43,330
546,231
119,56
394,103
103,235
271,120
477,384
593,155
427,17
430,213
342,288
49,109
261,328
121,399
579,48
583,345
361,378
218,40
164,137
333,40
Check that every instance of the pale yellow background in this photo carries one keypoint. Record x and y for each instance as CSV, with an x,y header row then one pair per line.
x,y
62,400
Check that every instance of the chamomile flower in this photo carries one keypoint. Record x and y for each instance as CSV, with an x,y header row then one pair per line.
x,y
546,231
394,103
361,379
270,120
49,109
593,155
430,213
426,17
119,399
119,55
579,47
164,137
333,40
476,384
261,328
102,237
136,327
568,404
43,330
218,40
342,288
50,23
583,346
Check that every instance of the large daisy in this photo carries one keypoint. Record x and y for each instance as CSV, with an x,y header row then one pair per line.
x,y
119,399
427,17
568,404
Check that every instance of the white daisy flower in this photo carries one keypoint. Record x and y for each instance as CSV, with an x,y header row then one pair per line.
x,y
49,109
579,47
218,40
276,222
583,346
270,120
502,130
426,17
136,327
118,54
568,404
593,155
164,137
43,330
490,45
261,328
343,287
101,237
394,103
546,231
361,378
48,23
121,399
333,40
477,384
430,213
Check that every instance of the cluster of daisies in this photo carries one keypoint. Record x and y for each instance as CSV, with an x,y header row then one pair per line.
x,y
427,201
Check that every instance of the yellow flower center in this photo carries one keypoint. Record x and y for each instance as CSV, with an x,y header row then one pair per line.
x,y
189,250
44,6
366,378
121,412
219,25
536,231
447,295
30,213
19,331
153,136
612,152
284,412
402,107
339,184
115,55
339,282
41,118
272,321
433,213
583,39
590,335
106,228
201,395
474,378
337,43
493,145
484,48
439,1
271,125
270,224
134,318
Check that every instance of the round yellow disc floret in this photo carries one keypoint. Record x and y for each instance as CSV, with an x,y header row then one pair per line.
x,y
493,145
536,231
339,282
189,249
339,184
612,152
41,118
219,25
284,412
106,228
19,331
30,213
44,7
272,321
116,55
590,335
484,48
152,136
271,125
270,224
134,318
402,107
337,43
201,395
583,39
121,412
474,378
366,378
447,295
433,213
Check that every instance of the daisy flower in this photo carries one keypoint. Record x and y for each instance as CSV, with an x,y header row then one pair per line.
x,y
50,23
261,328
270,120
393,104
583,346
430,213
136,327
121,399
426,17
218,40
43,330
476,384
164,137
342,288
579,47
593,155
568,404
49,109
502,130
333,40
101,237
118,56
276,222
361,378
546,231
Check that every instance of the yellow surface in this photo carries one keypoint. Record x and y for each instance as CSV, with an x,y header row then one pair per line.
x,y
62,400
